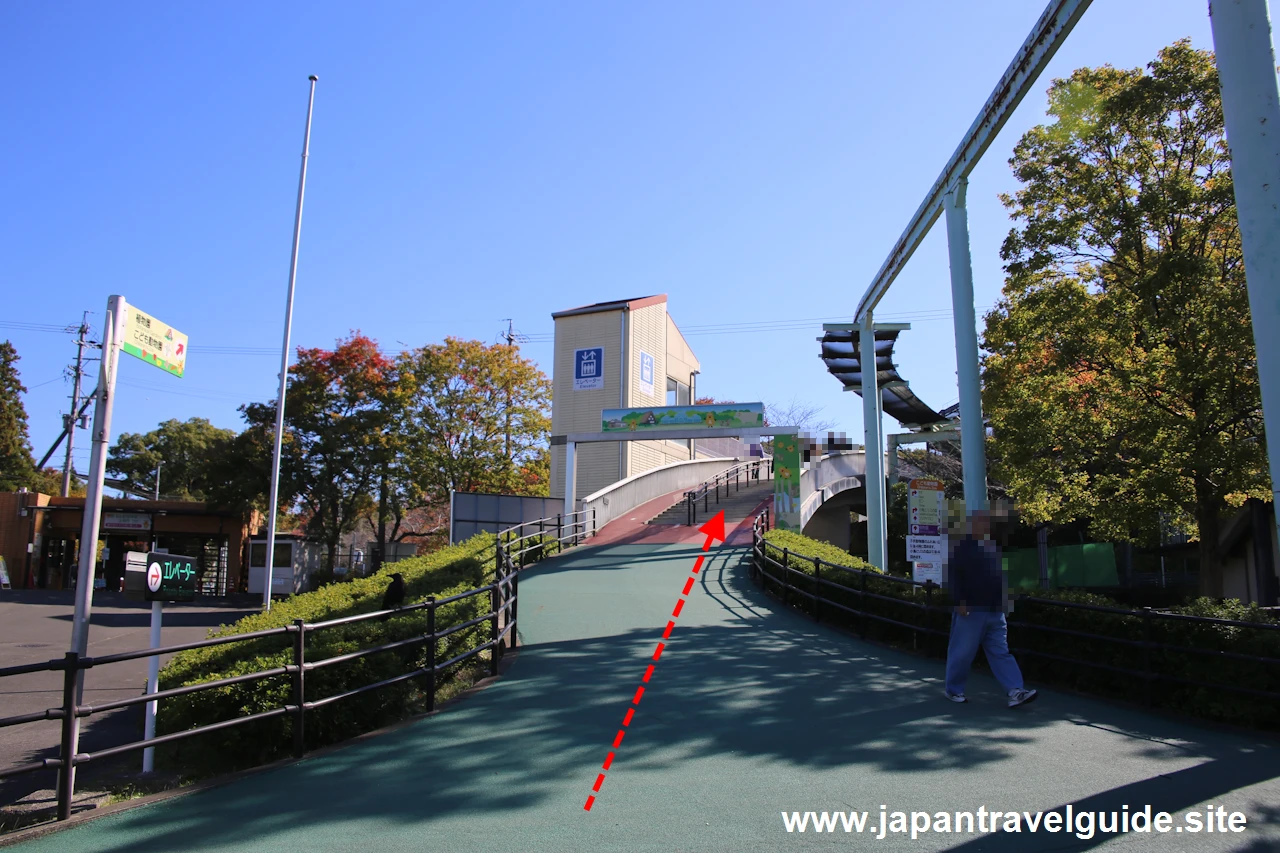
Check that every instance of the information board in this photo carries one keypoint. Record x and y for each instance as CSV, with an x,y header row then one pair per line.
x,y
154,342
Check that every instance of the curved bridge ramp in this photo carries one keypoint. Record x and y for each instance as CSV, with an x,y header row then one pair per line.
x,y
752,710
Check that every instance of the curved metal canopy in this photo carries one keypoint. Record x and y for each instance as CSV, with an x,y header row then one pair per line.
x,y
841,352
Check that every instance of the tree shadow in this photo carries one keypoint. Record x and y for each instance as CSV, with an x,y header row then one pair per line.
x,y
740,677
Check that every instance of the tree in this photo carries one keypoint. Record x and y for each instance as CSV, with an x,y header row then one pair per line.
x,y
181,452
1121,382
335,418
49,482
458,399
797,414
16,468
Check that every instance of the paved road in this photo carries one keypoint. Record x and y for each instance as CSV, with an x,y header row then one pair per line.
x,y
36,626
752,710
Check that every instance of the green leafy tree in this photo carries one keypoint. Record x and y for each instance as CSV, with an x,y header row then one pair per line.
x,y
335,418
49,482
182,452
1121,382
16,468
475,418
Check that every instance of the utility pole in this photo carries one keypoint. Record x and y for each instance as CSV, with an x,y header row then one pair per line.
x,y
69,420
510,335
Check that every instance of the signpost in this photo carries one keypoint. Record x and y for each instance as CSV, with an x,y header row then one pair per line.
x,y
157,577
155,342
926,516
118,334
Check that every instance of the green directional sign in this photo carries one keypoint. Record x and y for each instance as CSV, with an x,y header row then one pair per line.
x,y
154,342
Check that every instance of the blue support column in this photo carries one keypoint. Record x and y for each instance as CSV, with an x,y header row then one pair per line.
x,y
972,431
873,443
1251,112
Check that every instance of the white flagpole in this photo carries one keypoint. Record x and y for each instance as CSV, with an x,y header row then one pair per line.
x,y
269,580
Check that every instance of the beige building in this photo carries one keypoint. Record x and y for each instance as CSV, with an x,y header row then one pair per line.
x,y
624,354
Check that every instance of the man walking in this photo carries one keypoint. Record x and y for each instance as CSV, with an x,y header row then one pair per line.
x,y
980,595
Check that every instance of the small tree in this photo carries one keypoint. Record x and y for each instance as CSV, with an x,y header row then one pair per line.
x,y
182,452
16,468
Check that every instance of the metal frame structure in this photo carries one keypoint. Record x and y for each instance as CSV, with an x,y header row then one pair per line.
x,y
1251,105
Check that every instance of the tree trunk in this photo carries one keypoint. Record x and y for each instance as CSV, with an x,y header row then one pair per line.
x,y
331,550
1208,507
381,550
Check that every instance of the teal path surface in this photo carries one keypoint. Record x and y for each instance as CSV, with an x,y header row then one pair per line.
x,y
752,710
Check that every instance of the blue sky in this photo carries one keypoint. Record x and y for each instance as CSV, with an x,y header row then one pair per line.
x,y
472,162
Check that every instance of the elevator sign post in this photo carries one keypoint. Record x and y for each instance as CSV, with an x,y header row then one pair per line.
x,y
588,369
154,576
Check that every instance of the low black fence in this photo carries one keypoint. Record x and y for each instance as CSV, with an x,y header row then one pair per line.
x,y
516,548
1219,668
728,481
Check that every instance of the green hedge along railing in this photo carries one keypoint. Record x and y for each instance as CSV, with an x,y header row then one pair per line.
x,y
1211,659
322,666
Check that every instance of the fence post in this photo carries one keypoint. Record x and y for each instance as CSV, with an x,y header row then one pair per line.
x,y
495,601
862,607
431,653
928,616
786,572
67,772
559,534
594,529
1146,653
817,589
299,688
514,590
717,491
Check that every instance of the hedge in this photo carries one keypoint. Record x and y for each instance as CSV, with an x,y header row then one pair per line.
x,y
903,602
452,570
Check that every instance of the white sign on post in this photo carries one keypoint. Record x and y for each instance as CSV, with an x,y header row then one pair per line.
x,y
925,548
922,572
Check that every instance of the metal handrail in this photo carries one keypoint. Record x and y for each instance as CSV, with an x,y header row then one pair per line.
x,y
811,586
568,529
735,474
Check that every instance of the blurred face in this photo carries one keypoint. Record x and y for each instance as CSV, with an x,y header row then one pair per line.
x,y
980,525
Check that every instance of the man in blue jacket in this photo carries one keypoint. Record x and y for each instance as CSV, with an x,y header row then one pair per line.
x,y
980,596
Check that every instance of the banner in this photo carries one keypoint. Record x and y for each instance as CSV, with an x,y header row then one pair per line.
x,y
786,482
658,418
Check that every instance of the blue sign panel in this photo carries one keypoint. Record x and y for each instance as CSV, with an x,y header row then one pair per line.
x,y
588,369
646,373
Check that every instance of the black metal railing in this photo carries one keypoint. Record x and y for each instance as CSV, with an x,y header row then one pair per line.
x,y
730,480
550,537
927,617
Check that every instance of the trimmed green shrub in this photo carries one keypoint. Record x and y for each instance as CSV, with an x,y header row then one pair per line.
x,y
447,572
1059,656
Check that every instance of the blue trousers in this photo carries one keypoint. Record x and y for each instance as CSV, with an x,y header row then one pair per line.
x,y
990,631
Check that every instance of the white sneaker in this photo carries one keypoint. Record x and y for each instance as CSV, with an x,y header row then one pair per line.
x,y
955,697
1021,696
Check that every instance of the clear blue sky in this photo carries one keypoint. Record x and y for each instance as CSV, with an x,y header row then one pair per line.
x,y
471,162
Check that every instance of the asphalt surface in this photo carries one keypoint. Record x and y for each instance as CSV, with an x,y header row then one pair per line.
x,y
35,626
751,711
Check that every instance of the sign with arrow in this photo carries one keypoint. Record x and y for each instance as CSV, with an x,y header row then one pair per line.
x,y
154,342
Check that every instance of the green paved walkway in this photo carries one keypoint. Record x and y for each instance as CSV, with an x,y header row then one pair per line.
x,y
751,711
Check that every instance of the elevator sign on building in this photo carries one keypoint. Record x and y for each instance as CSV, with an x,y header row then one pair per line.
x,y
588,369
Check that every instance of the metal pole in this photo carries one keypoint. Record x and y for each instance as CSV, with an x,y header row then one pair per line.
x,y
113,332
153,686
871,439
269,581
158,466
972,432
1251,113
570,454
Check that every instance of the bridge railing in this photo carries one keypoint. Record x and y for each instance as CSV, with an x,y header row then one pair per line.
x,y
730,480
515,548
863,597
